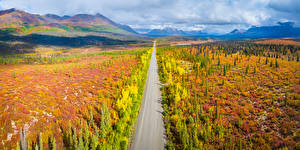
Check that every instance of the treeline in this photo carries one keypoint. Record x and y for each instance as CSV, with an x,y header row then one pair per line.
x,y
288,52
58,58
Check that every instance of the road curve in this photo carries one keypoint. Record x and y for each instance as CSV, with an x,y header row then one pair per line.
x,y
149,132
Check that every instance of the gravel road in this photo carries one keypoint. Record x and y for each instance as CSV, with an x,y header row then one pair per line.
x,y
149,132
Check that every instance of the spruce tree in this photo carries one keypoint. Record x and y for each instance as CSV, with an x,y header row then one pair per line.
x,y
70,135
94,142
80,144
75,141
234,62
271,63
247,69
40,142
276,64
53,144
86,136
105,121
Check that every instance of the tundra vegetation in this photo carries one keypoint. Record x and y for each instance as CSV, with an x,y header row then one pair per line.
x,y
231,95
84,101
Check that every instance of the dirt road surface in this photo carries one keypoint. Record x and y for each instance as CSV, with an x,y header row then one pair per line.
x,y
149,133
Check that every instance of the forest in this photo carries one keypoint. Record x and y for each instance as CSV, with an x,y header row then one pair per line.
x,y
231,95
84,101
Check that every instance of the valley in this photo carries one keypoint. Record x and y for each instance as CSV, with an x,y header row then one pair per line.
x,y
149,75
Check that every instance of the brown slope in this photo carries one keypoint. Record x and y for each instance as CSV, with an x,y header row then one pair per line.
x,y
88,20
17,17
85,19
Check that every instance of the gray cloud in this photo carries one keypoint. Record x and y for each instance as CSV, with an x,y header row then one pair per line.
x,y
289,6
209,15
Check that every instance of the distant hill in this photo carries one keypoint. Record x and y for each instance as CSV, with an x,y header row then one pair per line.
x,y
196,33
25,23
56,17
165,32
172,31
279,31
237,31
85,20
282,30
142,30
15,17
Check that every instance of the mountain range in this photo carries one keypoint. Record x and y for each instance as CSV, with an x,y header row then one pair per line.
x,y
172,31
282,30
23,22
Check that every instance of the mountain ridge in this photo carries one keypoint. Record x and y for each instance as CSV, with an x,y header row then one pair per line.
x,y
282,30
13,15
27,23
12,18
173,31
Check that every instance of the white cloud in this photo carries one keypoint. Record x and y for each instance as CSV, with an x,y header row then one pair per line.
x,y
184,14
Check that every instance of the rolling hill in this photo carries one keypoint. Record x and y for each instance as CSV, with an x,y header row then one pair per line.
x,y
13,17
26,23
22,32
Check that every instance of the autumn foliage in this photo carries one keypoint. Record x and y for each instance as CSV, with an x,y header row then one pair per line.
x,y
83,102
222,96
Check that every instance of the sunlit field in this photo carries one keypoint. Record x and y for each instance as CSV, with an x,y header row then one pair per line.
x,y
226,96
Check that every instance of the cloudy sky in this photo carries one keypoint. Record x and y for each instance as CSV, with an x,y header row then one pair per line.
x,y
218,16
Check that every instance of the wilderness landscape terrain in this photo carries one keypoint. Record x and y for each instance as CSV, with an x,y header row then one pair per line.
x,y
83,81
231,95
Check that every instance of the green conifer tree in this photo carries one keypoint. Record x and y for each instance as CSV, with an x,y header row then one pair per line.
x,y
247,69
80,143
105,121
40,142
86,136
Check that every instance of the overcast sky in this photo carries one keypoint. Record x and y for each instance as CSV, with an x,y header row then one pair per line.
x,y
218,16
